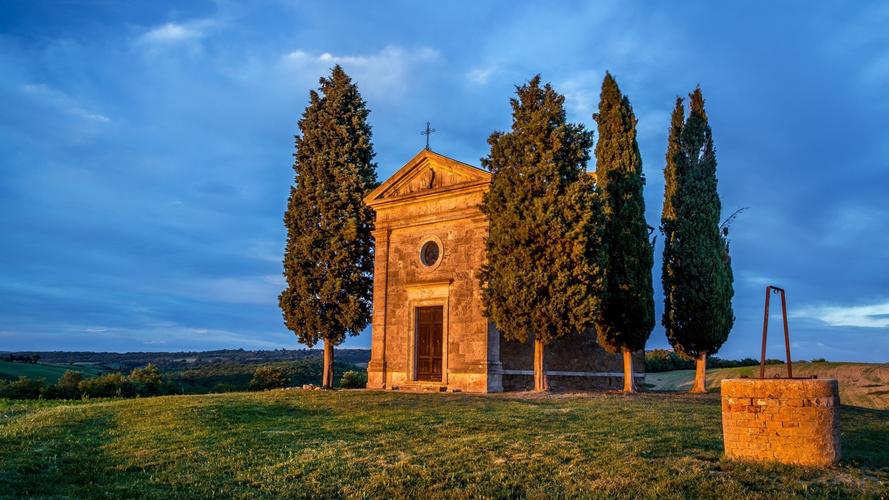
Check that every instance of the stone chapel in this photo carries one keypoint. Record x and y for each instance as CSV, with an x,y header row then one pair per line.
x,y
428,330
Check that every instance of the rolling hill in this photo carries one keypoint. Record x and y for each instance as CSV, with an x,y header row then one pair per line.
x,y
861,384
48,371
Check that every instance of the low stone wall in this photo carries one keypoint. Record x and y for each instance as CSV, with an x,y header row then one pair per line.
x,y
568,381
795,421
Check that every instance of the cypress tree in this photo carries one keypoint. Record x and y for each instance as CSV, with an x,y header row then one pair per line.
x,y
328,261
626,315
697,274
541,277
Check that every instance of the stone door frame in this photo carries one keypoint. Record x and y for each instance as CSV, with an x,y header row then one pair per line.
x,y
426,294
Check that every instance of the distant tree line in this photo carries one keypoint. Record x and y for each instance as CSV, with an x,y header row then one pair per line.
x,y
151,381
32,358
172,361
665,360
147,381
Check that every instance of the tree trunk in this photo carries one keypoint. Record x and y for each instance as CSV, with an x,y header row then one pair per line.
x,y
327,378
540,382
629,376
700,374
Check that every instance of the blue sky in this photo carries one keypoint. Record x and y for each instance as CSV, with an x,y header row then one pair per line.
x,y
145,148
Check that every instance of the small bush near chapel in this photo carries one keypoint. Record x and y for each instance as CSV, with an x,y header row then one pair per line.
x,y
268,377
353,380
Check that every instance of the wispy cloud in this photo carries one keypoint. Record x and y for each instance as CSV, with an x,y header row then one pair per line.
x,y
176,33
258,290
869,316
62,101
481,74
380,74
171,33
581,92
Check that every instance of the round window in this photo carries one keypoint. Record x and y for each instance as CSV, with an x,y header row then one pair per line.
x,y
430,252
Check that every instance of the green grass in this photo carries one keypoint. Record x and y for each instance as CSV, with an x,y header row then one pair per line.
x,y
50,372
383,444
861,384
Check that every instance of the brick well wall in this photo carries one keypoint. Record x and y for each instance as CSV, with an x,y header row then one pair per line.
x,y
792,421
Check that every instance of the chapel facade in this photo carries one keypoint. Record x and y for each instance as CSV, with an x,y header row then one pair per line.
x,y
428,329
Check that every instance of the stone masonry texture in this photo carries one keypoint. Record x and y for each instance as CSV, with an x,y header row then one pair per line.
x,y
793,421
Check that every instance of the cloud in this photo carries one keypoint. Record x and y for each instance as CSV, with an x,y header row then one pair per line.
x,y
187,37
62,101
752,278
258,290
171,33
175,336
581,91
174,33
381,74
480,75
870,316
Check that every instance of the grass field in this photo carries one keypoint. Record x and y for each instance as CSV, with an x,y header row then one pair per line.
x,y
861,384
51,372
383,444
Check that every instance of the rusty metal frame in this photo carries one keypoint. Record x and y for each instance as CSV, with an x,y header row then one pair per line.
x,y
765,328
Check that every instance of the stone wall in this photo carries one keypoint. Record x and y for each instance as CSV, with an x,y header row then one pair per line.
x,y
573,362
786,420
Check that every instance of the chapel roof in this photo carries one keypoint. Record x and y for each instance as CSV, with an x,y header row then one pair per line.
x,y
428,172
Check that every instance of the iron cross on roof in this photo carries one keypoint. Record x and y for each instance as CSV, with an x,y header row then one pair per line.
x,y
427,133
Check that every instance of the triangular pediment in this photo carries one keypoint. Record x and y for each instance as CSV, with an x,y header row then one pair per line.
x,y
427,172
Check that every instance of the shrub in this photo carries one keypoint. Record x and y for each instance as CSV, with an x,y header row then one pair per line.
x,y
714,362
819,360
22,388
148,381
107,386
67,387
268,377
353,380
664,360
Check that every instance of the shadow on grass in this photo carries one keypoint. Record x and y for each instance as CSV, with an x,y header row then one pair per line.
x,y
865,436
52,453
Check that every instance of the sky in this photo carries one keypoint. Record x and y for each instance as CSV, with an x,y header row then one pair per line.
x,y
146,149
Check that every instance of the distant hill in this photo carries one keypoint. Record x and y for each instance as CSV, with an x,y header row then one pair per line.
x,y
169,361
50,372
861,384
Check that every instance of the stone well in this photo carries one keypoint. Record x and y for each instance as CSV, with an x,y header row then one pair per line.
x,y
795,421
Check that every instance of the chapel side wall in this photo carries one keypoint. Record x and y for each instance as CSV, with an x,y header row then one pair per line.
x,y
376,368
572,353
463,242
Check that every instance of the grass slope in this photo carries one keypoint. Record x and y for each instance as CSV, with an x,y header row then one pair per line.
x,y
51,372
861,384
379,444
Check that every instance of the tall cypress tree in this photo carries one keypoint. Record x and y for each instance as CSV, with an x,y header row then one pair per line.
x,y
541,278
697,273
626,315
328,261
673,172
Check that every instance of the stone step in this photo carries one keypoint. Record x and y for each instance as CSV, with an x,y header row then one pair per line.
x,y
422,387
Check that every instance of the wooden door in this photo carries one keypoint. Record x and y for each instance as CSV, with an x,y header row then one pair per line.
x,y
429,343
